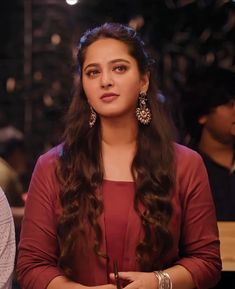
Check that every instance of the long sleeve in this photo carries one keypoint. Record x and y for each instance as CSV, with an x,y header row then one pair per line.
x,y
199,241
7,243
38,248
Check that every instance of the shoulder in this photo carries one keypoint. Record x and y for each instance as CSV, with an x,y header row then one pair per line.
x,y
46,164
44,182
189,164
5,212
186,153
185,156
3,201
51,156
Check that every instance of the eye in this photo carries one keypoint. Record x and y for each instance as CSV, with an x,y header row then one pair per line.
x,y
120,68
92,73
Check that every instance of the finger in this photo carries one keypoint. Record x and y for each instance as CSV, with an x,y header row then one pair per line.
x,y
112,276
124,282
129,276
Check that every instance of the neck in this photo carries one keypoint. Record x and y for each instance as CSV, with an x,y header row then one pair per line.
x,y
119,132
221,153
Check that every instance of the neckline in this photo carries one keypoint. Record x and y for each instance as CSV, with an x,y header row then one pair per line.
x,y
215,163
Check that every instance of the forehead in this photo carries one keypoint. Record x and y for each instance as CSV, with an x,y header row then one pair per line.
x,y
105,50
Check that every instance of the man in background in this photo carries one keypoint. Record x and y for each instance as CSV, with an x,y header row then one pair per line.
x,y
209,114
208,104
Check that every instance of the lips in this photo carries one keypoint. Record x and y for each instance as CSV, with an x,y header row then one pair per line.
x,y
108,97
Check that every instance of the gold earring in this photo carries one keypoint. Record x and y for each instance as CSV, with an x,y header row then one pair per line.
x,y
143,113
93,116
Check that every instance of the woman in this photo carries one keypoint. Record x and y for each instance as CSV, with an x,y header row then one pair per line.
x,y
7,243
118,189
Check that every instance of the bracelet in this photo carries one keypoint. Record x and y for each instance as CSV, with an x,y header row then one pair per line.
x,y
164,280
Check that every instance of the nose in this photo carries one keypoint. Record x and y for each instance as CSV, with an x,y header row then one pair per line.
x,y
106,79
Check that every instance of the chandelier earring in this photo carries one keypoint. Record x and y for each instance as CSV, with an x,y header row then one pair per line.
x,y
143,113
93,116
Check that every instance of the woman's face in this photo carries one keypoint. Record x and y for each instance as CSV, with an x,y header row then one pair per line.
x,y
111,78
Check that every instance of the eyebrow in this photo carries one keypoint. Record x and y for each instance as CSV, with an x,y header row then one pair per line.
x,y
112,62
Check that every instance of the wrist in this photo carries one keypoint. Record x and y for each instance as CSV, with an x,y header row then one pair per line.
x,y
164,280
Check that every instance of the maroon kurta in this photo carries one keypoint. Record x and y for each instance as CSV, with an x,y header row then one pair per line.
x,y
193,227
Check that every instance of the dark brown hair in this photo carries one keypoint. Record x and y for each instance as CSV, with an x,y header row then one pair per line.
x,y
80,167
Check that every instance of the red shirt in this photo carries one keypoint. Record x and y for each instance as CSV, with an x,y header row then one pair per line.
x,y
193,227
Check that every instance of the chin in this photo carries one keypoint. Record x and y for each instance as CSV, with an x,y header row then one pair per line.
x,y
114,116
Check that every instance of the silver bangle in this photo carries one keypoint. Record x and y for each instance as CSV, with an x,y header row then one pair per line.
x,y
164,280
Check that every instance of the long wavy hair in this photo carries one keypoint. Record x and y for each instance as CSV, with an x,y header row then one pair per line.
x,y
80,168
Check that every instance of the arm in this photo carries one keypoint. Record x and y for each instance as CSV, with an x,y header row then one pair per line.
x,y
7,243
180,277
199,246
39,248
61,282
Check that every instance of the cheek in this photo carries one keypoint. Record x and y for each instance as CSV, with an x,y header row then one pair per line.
x,y
221,122
85,87
224,119
131,89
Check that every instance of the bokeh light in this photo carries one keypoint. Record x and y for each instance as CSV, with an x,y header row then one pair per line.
x,y
71,2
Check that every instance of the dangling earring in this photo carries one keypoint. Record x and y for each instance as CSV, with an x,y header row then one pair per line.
x,y
92,119
143,113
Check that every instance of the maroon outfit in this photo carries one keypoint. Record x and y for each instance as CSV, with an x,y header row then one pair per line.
x,y
193,227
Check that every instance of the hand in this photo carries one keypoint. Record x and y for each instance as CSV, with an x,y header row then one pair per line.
x,y
61,282
138,280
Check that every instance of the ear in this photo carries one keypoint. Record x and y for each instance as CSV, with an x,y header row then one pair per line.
x,y
144,85
202,119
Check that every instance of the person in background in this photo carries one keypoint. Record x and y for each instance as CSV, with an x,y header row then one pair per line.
x,y
7,243
118,190
13,166
209,114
